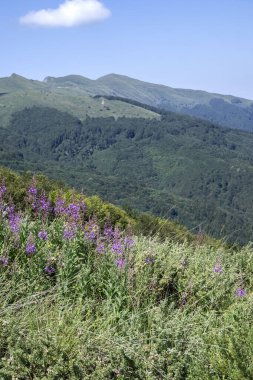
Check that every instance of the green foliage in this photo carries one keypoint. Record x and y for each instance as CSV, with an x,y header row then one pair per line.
x,y
167,314
17,186
17,93
178,168
81,97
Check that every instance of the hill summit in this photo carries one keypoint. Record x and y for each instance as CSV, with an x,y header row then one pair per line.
x,y
225,110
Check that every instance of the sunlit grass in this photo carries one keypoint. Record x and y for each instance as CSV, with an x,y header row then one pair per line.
x,y
167,310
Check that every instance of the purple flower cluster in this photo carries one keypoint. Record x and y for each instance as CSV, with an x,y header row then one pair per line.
x,y
120,247
108,232
150,260
32,190
70,231
73,211
217,268
100,247
129,241
14,219
120,263
43,204
112,241
240,292
4,261
43,235
3,190
72,215
92,230
49,269
117,247
40,203
32,194
30,246
59,208
15,222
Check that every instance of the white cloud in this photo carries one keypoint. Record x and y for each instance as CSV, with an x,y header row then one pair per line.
x,y
68,14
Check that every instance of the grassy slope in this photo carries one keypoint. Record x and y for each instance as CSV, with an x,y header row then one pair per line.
x,y
147,93
225,110
165,315
19,93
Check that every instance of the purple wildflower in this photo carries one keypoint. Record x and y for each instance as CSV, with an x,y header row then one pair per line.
x,y
43,235
116,234
73,211
30,248
117,247
14,221
10,210
240,292
92,230
49,269
91,235
59,208
129,241
3,190
43,204
32,190
32,194
217,268
101,248
4,261
120,263
108,232
69,232
149,260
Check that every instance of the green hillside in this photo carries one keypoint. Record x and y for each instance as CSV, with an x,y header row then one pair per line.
x,y
19,93
74,94
178,167
84,299
226,110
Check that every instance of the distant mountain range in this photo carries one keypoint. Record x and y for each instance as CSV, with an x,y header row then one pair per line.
x,y
74,93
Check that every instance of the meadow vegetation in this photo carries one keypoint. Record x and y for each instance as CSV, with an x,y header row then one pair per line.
x,y
84,295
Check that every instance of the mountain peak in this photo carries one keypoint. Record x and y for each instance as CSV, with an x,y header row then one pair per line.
x,y
16,76
120,77
114,75
70,79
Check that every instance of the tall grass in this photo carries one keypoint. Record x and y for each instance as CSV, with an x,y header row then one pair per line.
x,y
86,300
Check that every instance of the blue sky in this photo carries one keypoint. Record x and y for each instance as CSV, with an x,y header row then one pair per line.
x,y
198,44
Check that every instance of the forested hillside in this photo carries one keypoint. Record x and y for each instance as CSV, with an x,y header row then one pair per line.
x,y
178,167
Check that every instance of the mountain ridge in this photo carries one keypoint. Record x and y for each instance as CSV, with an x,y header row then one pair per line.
x,y
226,110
